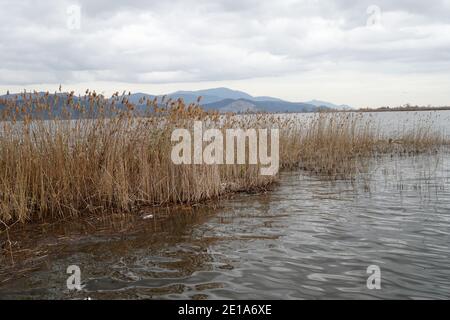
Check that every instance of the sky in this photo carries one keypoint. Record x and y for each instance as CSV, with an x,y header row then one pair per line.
x,y
357,52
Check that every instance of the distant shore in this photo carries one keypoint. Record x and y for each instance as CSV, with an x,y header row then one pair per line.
x,y
387,109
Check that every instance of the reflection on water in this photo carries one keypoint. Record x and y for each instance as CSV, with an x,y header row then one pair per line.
x,y
307,238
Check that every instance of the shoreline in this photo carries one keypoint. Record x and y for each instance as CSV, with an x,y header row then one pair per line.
x,y
119,163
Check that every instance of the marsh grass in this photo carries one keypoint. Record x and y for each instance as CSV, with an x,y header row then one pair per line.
x,y
64,156
341,145
111,157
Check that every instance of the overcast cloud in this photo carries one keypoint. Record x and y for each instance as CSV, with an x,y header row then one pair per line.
x,y
298,50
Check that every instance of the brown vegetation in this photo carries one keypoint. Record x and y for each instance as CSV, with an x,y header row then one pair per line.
x,y
113,157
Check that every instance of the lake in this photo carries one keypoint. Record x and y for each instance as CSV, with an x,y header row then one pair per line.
x,y
307,238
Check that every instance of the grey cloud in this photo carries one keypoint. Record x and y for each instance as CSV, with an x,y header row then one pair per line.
x,y
161,41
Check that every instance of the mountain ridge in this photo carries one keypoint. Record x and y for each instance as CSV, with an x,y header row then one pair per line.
x,y
228,100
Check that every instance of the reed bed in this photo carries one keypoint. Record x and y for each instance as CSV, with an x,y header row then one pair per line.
x,y
62,156
341,145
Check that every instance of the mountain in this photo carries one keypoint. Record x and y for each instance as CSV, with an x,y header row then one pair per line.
x,y
230,105
226,100
192,97
264,98
208,95
217,94
242,105
329,105
56,101
136,98
60,101
221,99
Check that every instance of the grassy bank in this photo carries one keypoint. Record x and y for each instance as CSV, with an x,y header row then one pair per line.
x,y
65,157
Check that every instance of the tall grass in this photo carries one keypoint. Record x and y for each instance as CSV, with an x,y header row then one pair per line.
x,y
64,156
340,145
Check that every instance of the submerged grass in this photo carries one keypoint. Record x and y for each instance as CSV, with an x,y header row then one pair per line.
x,y
64,156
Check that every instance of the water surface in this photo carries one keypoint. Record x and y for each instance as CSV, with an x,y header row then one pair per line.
x,y
305,239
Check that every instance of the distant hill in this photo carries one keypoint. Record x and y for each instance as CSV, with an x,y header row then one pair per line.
x,y
215,94
221,99
56,101
135,98
329,105
227,100
208,95
242,105
59,103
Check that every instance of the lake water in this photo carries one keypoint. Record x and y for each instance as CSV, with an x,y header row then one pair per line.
x,y
305,239
398,122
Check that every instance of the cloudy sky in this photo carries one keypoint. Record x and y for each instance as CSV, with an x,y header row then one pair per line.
x,y
362,53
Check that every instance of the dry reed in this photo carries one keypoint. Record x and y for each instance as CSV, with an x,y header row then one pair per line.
x,y
63,156
340,145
